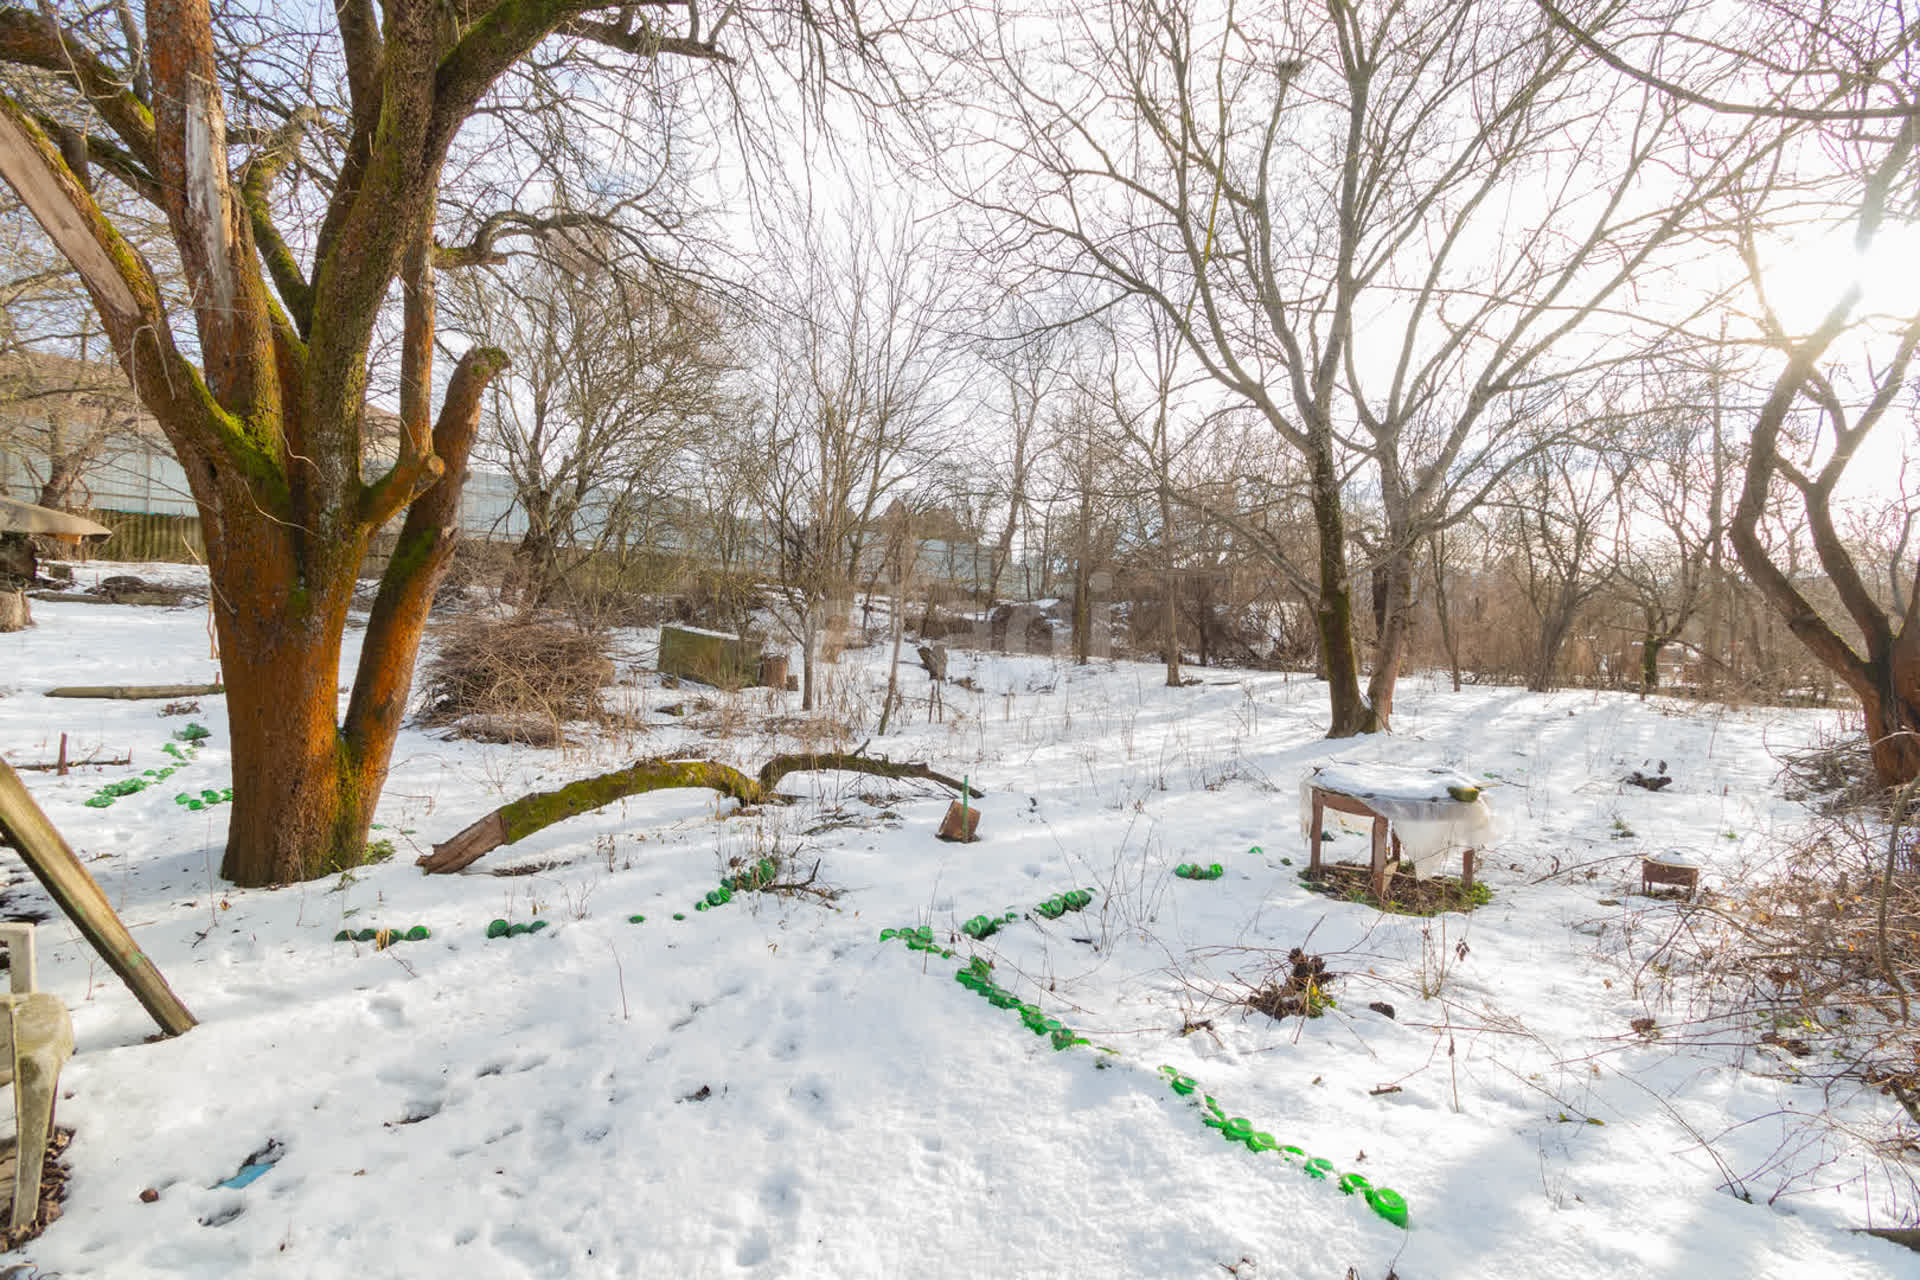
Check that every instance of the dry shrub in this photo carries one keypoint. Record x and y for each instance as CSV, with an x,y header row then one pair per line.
x,y
1835,775
719,599
1810,967
515,680
1300,988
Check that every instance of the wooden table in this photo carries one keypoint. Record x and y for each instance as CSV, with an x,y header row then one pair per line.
x,y
1339,802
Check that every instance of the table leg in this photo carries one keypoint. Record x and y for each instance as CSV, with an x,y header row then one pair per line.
x,y
1467,879
1380,859
1313,833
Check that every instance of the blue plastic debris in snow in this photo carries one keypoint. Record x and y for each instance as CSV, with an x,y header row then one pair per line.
x,y
257,1163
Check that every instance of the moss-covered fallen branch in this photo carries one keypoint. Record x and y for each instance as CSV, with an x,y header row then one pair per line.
x,y
518,819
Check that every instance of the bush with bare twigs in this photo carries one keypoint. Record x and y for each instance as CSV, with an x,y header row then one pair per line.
x,y
1809,965
515,680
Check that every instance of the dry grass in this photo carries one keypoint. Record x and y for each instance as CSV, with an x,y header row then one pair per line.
x,y
1406,896
515,680
1808,966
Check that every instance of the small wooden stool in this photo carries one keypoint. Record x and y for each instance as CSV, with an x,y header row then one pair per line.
x,y
1655,871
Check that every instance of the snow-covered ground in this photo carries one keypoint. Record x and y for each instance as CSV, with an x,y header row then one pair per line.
x,y
769,1089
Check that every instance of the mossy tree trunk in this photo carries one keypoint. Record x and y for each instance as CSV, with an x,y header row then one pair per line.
x,y
1350,713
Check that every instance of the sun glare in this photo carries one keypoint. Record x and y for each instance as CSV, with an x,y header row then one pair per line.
x,y
1806,277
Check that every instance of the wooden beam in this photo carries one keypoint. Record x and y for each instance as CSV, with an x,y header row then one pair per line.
x,y
131,692
48,856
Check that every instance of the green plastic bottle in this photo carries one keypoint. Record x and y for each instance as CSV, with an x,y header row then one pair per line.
x,y
1388,1204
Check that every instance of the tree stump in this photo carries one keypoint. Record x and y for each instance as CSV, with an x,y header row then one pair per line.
x,y
934,658
15,615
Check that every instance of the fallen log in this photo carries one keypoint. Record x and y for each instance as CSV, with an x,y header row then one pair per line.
x,y
518,819
132,692
55,766
853,762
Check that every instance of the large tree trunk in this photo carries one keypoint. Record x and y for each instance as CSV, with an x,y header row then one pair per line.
x,y
1442,610
1546,656
1333,611
299,806
1650,646
1893,714
304,783
1170,613
1396,631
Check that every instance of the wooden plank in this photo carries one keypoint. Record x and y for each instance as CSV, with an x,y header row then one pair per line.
x,y
1346,804
50,859
131,692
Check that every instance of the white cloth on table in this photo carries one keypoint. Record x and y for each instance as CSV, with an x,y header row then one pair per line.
x,y
1416,802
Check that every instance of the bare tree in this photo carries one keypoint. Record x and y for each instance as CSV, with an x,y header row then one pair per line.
x,y
1674,502
1563,532
852,390
1029,369
1147,402
1322,201
1843,95
614,375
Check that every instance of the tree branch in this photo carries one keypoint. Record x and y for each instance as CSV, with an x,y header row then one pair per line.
x,y
32,39
1720,105
256,189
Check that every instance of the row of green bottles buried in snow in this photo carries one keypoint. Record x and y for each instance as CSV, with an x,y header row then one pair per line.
x,y
982,927
1384,1201
386,937
758,876
1194,871
920,939
977,977
191,735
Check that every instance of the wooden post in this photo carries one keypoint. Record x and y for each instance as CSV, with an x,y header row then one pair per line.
x,y
61,765
48,856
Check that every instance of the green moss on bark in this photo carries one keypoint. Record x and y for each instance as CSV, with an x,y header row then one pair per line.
x,y
542,809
